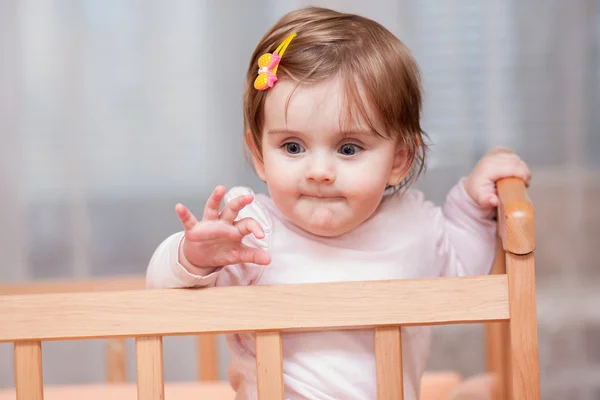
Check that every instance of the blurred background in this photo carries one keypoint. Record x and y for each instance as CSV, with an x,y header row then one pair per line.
x,y
111,112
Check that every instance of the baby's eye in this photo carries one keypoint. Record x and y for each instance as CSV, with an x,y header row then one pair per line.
x,y
293,148
349,149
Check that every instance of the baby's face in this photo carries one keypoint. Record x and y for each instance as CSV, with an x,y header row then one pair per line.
x,y
324,179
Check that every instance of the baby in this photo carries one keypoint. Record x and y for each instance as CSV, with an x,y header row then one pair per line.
x,y
332,123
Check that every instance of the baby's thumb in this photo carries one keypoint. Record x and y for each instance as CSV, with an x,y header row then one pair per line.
x,y
254,256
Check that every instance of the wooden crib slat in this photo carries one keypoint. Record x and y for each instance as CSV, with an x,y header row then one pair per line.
x,y
269,365
28,371
116,364
207,357
150,378
498,340
523,327
388,357
498,358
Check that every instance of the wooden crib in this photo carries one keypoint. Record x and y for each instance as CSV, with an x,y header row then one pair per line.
x,y
503,300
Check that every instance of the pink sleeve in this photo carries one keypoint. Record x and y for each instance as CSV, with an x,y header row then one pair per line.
x,y
466,235
166,268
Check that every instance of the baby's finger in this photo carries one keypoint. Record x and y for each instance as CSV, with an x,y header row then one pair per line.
x,y
492,201
500,150
526,173
211,210
233,208
520,170
513,167
485,198
254,256
214,231
247,226
185,216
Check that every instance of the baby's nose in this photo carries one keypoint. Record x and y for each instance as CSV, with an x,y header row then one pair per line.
x,y
321,170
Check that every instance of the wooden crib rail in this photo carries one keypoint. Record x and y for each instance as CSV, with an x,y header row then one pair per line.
x,y
72,316
148,315
73,285
116,365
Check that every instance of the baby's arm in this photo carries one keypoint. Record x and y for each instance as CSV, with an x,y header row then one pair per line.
x,y
468,241
218,250
168,270
467,235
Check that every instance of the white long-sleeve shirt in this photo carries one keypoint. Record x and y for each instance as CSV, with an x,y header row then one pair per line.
x,y
407,237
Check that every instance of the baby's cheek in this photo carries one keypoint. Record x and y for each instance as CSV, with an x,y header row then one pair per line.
x,y
364,184
366,193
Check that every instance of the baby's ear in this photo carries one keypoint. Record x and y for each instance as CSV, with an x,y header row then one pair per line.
x,y
257,162
400,167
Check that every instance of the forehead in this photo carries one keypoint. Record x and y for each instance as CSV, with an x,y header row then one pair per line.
x,y
323,107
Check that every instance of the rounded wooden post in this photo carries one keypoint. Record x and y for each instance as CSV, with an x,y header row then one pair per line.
x,y
523,327
516,223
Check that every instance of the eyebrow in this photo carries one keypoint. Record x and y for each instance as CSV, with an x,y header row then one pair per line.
x,y
343,134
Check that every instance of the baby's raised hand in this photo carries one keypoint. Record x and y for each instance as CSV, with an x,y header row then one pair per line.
x,y
216,240
497,164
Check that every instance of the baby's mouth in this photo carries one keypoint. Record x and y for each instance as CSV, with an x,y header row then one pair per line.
x,y
324,199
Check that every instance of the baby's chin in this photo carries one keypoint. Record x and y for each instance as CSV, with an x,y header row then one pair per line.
x,y
324,225
324,232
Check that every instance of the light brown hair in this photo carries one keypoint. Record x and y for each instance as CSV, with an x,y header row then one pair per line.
x,y
379,73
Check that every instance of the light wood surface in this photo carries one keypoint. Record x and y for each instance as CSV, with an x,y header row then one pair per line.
x,y
388,358
516,226
74,285
28,370
149,367
434,386
128,391
516,220
269,365
523,327
518,364
116,364
208,357
59,316
498,340
116,349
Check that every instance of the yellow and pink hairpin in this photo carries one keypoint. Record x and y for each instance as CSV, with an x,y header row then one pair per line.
x,y
268,63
